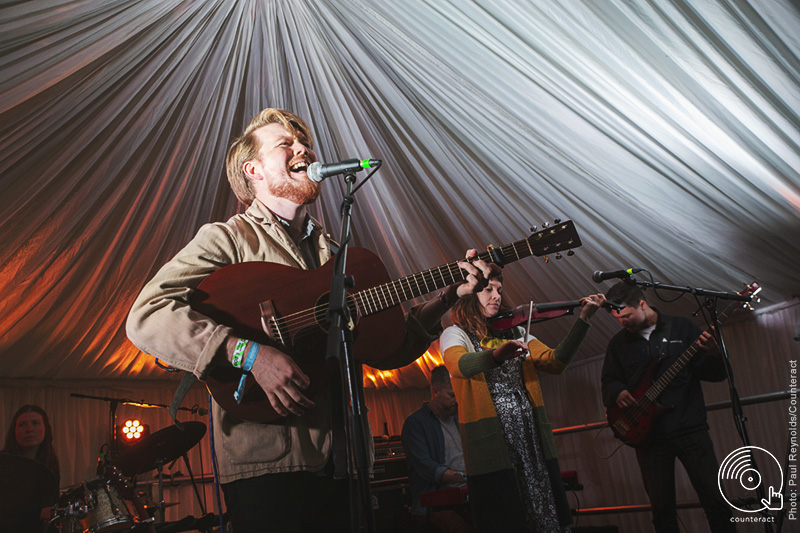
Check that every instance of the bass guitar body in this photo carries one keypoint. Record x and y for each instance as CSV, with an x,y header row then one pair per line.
x,y
632,424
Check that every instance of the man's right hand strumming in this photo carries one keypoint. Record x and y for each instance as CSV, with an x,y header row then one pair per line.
x,y
280,378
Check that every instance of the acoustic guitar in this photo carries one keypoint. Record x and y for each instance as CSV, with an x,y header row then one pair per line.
x,y
633,424
287,308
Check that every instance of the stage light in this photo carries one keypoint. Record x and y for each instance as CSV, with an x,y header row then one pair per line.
x,y
132,431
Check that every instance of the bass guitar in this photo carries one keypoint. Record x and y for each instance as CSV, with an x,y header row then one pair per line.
x,y
632,424
287,308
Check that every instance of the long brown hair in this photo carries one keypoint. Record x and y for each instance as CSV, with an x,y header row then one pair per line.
x,y
467,313
46,453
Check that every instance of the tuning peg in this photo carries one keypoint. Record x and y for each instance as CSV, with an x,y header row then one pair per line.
x,y
546,259
570,253
545,224
533,229
558,255
556,221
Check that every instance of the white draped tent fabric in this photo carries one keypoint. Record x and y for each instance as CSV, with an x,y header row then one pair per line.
x,y
667,130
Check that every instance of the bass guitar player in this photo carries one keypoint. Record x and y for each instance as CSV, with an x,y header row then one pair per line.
x,y
651,340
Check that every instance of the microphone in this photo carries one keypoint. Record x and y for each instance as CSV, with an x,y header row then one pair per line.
x,y
318,172
599,275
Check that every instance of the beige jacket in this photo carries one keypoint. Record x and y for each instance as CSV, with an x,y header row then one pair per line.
x,y
162,323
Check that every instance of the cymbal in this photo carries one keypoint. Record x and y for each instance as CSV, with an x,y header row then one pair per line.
x,y
161,447
25,483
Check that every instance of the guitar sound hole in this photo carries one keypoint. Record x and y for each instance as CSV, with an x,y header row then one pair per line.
x,y
321,312
310,342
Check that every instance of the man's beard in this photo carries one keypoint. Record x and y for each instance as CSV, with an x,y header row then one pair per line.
x,y
300,192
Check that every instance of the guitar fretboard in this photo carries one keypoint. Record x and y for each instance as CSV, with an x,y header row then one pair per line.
x,y
394,293
662,382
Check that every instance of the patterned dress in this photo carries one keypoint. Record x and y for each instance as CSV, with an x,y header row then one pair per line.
x,y
514,409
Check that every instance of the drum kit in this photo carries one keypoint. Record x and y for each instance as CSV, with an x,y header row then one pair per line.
x,y
104,504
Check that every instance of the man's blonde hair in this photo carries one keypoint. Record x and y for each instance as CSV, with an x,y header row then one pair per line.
x,y
246,146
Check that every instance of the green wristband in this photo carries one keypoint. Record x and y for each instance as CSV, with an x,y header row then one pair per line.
x,y
238,353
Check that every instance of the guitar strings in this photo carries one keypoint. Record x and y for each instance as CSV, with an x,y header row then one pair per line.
x,y
654,391
381,297
308,317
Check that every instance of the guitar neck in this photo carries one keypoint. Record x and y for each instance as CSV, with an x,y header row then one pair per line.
x,y
560,237
675,368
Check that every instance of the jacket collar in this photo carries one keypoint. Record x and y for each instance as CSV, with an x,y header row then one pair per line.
x,y
260,214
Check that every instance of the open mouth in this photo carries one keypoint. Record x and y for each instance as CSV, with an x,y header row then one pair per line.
x,y
300,166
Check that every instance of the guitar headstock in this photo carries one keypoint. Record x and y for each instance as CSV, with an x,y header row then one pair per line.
x,y
561,235
552,239
751,291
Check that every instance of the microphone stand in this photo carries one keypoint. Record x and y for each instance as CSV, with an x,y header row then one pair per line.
x,y
711,299
113,446
353,411
139,403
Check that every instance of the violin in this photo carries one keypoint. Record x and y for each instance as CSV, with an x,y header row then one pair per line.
x,y
502,326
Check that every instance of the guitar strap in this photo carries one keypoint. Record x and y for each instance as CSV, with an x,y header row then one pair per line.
x,y
186,383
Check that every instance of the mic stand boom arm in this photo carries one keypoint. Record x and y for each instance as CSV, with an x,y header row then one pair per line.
x,y
695,291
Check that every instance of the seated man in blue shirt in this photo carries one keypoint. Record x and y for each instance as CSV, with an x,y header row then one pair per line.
x,y
432,446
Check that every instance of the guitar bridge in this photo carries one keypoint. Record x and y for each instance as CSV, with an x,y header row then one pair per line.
x,y
271,324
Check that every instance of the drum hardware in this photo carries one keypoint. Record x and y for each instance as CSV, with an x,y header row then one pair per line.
x,y
109,503
151,507
157,449
67,519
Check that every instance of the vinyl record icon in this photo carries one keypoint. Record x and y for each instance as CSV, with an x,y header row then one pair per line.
x,y
746,470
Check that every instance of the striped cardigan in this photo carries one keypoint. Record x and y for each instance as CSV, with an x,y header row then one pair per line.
x,y
481,433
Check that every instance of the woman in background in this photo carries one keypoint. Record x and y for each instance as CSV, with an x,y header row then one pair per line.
x,y
513,476
31,436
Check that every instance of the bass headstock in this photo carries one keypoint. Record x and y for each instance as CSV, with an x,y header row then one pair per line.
x,y
751,291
